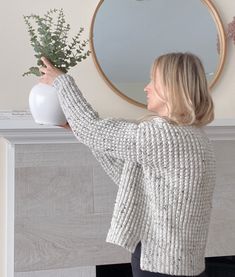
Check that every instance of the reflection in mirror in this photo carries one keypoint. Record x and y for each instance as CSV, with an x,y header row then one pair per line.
x,y
128,35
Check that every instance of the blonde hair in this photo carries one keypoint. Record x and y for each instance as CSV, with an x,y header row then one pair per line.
x,y
186,92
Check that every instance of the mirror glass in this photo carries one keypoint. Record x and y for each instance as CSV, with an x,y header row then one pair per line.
x,y
129,34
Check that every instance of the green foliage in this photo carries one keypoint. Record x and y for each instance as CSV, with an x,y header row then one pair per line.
x,y
50,39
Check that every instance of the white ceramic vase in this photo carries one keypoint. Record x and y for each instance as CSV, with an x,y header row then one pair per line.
x,y
45,106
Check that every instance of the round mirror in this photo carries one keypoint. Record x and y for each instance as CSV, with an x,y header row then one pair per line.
x,y
127,35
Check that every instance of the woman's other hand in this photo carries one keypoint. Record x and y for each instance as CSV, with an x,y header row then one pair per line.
x,y
50,72
66,126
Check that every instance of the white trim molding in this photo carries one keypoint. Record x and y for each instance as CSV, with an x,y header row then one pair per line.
x,y
27,131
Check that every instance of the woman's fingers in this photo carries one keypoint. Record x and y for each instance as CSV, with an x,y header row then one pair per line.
x,y
50,72
44,80
46,62
42,69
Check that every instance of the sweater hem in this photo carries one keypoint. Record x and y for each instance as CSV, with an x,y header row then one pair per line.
x,y
149,264
154,259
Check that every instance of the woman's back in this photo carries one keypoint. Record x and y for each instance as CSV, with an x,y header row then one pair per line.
x,y
167,205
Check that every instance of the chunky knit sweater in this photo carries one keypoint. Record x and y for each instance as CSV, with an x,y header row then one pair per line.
x,y
165,175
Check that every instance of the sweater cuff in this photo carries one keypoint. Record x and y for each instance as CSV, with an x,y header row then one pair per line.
x,y
59,80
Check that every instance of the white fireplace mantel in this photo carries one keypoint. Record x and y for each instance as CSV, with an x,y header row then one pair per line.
x,y
27,131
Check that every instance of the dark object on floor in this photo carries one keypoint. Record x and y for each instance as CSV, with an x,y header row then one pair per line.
x,y
114,270
220,266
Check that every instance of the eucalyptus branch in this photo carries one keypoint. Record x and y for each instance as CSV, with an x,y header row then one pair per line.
x,y
50,38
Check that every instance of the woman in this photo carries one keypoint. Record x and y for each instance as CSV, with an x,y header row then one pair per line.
x,y
164,165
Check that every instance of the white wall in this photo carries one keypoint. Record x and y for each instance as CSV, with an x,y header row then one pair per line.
x,y
17,56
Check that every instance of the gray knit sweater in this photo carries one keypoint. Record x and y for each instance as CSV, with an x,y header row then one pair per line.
x,y
166,177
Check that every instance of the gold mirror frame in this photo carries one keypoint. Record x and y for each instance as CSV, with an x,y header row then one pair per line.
x,y
222,48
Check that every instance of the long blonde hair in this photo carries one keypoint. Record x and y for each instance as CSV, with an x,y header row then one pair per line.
x,y
186,91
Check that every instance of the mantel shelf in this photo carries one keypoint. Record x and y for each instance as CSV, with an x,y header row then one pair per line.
x,y
27,131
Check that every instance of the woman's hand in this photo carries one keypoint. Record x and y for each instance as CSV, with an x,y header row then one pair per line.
x,y
50,72
66,126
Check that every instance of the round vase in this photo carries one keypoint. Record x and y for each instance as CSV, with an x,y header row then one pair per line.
x,y
45,106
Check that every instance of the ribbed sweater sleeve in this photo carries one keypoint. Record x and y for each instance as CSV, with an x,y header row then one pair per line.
x,y
112,166
118,138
